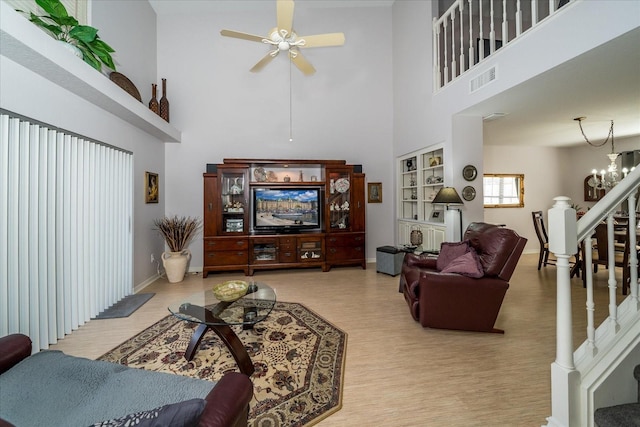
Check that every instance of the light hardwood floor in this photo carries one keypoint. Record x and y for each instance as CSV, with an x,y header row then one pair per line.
x,y
398,373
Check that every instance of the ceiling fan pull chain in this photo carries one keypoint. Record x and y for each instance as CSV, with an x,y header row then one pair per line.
x,y
290,106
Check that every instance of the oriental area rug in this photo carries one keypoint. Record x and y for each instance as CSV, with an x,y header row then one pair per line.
x,y
298,356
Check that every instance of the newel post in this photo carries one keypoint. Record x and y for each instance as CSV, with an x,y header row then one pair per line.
x,y
563,242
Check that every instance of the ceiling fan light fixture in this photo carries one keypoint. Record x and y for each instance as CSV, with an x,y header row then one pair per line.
x,y
283,38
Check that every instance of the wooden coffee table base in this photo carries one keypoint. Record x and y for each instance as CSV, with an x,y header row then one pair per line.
x,y
224,332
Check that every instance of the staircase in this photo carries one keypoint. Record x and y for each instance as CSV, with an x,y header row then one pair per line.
x,y
626,415
587,379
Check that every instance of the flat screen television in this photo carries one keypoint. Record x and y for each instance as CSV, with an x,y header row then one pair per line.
x,y
286,209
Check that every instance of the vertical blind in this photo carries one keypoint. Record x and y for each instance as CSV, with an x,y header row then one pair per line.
x,y
65,229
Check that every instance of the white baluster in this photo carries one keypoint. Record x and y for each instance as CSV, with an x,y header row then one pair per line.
x,y
505,23
444,46
552,7
518,19
454,65
462,61
613,306
588,272
534,13
633,255
481,47
436,55
492,31
471,51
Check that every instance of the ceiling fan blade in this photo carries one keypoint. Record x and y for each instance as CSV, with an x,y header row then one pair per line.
x,y
263,62
239,35
302,63
319,40
285,15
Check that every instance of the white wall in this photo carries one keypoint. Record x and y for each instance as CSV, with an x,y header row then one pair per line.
x,y
342,112
422,118
31,95
129,27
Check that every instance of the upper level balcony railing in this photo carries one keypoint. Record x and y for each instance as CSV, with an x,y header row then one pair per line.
x,y
471,30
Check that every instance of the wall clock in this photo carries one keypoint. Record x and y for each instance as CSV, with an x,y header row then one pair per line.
x,y
468,193
469,173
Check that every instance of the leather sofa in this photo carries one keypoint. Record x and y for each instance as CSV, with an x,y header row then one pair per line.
x,y
32,390
449,300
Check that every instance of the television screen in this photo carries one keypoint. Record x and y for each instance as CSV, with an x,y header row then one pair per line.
x,y
286,208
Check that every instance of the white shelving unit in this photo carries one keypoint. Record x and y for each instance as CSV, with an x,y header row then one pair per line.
x,y
420,177
26,44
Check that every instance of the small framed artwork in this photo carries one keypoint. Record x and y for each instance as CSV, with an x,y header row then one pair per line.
x,y
151,187
375,192
437,216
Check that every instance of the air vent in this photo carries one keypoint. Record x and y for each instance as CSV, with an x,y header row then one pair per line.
x,y
483,79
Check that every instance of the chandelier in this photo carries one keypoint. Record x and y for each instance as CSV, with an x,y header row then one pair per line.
x,y
606,178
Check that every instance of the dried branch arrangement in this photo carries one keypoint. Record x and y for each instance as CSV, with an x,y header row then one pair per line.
x,y
178,231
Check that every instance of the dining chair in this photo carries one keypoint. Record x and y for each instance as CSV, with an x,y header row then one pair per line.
x,y
621,253
541,232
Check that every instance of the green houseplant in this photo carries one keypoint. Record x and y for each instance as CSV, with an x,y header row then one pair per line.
x,y
61,26
178,232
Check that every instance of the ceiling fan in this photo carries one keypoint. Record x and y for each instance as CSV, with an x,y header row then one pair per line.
x,y
284,39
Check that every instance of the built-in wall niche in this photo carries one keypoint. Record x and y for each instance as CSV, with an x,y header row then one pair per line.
x,y
289,173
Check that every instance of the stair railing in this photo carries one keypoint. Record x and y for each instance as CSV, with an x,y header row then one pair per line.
x,y
471,30
570,402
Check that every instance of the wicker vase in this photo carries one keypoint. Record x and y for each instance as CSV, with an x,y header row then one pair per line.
x,y
153,104
164,102
175,264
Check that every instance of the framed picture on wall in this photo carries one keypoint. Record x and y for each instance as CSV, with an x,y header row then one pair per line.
x,y
375,192
151,187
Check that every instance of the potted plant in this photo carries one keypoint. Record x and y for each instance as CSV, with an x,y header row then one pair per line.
x,y
177,232
61,26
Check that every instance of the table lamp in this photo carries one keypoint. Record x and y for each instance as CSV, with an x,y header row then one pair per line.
x,y
449,196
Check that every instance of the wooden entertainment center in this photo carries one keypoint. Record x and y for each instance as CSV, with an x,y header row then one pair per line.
x,y
267,214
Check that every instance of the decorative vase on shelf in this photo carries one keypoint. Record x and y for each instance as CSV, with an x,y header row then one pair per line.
x,y
153,104
164,102
175,264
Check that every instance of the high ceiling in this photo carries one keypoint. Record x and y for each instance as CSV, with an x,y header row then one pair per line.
x,y
601,85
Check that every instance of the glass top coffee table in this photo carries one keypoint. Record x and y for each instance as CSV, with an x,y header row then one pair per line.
x,y
211,313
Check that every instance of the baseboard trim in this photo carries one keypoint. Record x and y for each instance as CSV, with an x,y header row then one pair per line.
x,y
139,287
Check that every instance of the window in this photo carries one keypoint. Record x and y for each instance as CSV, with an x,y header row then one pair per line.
x,y
503,190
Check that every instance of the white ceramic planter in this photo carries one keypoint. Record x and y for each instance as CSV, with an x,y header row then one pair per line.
x,y
175,264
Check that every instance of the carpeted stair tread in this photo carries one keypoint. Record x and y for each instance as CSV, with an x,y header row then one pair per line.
x,y
626,415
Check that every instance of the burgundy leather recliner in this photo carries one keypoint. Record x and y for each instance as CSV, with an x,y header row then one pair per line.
x,y
455,301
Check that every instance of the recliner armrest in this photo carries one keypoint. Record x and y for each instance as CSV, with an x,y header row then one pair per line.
x,y
13,348
420,261
228,402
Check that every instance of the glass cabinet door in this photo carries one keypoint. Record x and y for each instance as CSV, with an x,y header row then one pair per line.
x,y
339,199
234,201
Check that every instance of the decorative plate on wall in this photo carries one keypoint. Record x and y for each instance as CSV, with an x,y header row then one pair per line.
x,y
468,193
469,173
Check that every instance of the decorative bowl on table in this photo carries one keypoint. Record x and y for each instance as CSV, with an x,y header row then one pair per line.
x,y
230,290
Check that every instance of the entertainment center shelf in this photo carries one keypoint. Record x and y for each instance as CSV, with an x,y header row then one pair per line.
x,y
265,214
